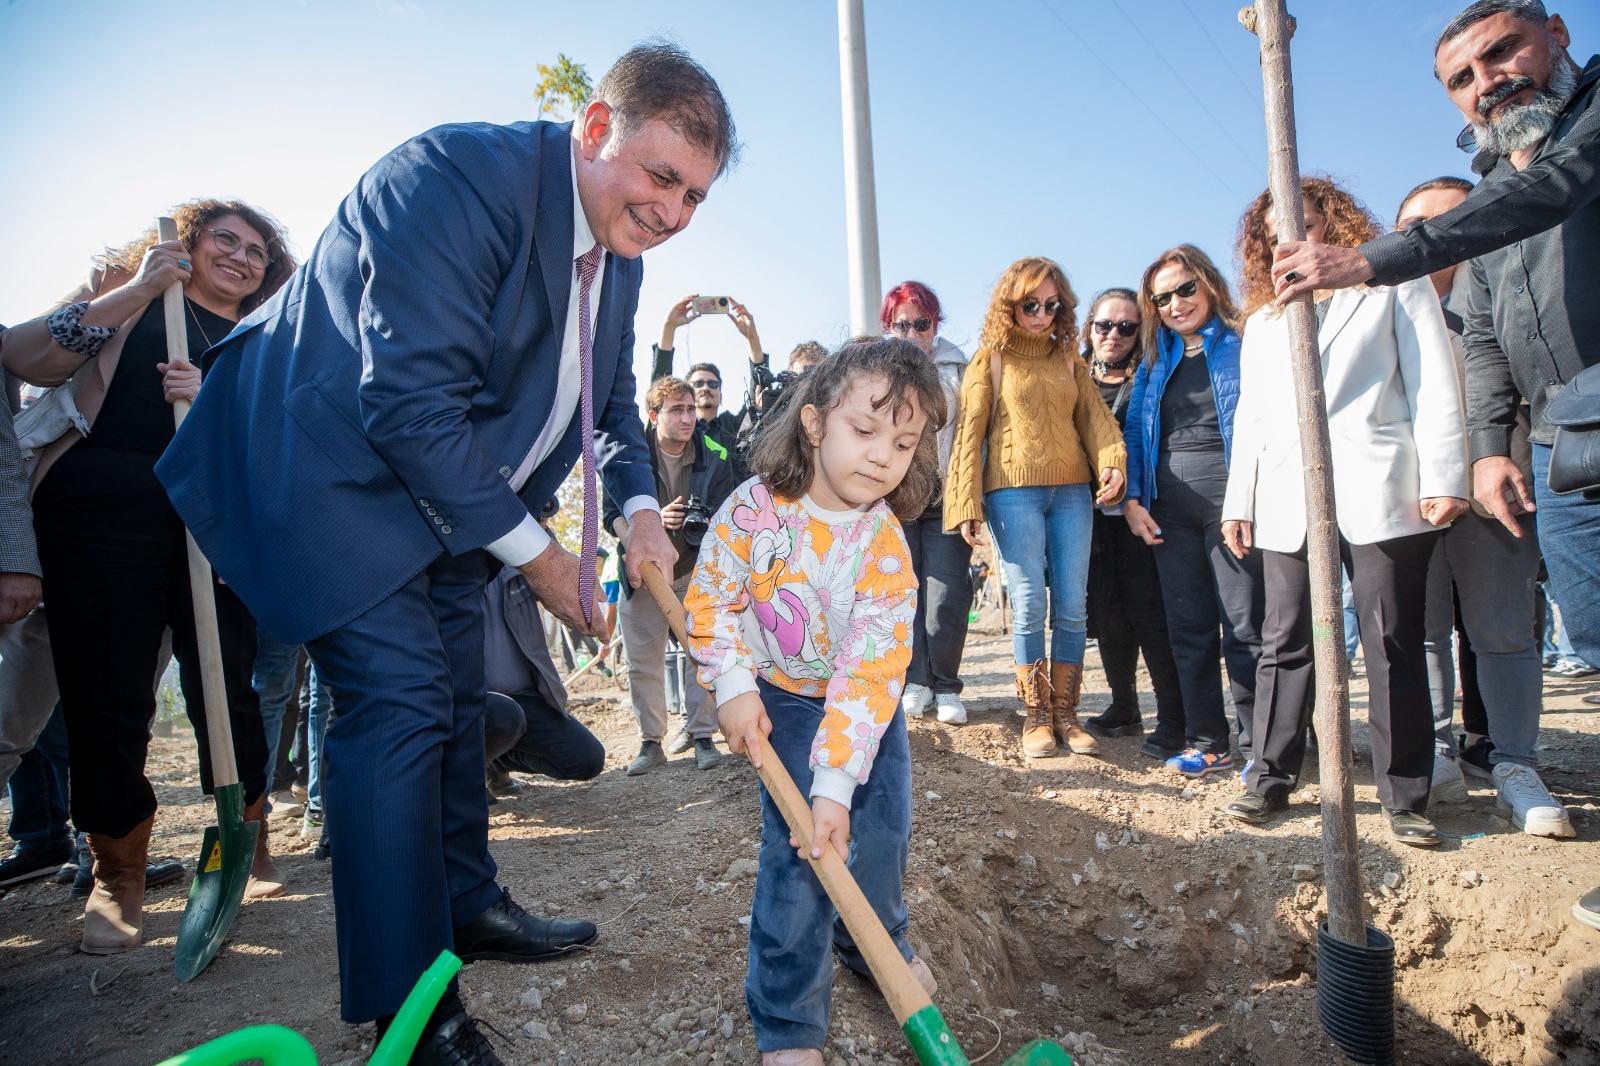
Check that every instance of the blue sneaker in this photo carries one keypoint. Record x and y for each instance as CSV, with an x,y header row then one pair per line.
x,y
1192,762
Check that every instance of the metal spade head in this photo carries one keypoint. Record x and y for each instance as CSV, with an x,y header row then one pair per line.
x,y
220,877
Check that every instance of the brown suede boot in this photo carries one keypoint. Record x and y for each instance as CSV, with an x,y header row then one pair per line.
x,y
1066,682
265,880
1033,689
113,919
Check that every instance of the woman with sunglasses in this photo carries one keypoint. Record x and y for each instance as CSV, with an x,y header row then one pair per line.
x,y
942,560
1179,428
1125,612
113,549
1399,473
1032,439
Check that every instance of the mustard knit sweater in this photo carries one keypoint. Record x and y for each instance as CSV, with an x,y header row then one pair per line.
x,y
1050,427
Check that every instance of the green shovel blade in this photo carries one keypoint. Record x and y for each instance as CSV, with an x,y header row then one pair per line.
x,y
935,1045
220,877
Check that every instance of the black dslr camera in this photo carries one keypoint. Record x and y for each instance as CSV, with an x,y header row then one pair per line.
x,y
696,520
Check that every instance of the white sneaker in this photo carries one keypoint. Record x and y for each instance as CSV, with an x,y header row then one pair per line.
x,y
951,711
916,700
1448,784
1533,810
285,805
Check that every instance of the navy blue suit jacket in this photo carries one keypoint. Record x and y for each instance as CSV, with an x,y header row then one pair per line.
x,y
369,416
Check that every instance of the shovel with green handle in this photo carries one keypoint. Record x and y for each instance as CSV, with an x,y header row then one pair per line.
x,y
925,1028
228,847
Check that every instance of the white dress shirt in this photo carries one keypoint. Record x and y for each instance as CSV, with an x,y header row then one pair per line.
x,y
525,542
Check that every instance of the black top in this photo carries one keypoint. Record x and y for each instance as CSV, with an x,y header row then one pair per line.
x,y
1189,410
1109,393
136,415
1533,241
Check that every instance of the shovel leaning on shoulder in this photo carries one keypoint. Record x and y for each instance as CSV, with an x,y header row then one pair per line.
x,y
228,847
925,1028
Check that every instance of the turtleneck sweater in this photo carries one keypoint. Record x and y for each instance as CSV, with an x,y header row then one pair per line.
x,y
1050,426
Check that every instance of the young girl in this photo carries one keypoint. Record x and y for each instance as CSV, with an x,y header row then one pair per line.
x,y
800,614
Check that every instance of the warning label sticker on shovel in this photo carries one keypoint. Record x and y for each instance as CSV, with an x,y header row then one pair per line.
x,y
214,860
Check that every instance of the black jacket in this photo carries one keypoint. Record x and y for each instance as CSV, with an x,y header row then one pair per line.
x,y
1531,323
711,477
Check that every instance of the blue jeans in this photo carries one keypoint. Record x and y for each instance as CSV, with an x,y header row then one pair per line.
x,y
789,985
277,666
1569,534
39,790
1059,519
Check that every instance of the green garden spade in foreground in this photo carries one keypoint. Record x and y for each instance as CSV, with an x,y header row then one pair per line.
x,y
228,847
925,1028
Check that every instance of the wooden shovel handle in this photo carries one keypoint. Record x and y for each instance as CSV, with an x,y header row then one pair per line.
x,y
900,988
213,683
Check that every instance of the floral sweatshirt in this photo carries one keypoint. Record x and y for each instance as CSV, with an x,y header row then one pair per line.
x,y
815,602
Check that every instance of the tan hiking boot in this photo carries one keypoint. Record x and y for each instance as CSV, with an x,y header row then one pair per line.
x,y
1066,682
265,880
1033,689
113,918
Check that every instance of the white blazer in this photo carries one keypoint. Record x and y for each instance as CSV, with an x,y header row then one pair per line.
x,y
1394,417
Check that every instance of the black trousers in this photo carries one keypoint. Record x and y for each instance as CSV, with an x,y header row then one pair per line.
x,y
116,576
1203,587
522,732
1126,616
943,565
1390,580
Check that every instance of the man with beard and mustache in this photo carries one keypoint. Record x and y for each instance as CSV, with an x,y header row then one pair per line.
x,y
1531,229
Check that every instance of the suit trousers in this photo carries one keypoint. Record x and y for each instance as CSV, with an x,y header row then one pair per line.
x,y
403,780
116,575
1390,581
644,638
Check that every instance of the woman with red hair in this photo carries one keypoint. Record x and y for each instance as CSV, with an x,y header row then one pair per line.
x,y
942,561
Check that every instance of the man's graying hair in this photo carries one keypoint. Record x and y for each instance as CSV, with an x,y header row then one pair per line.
x,y
656,79
1526,10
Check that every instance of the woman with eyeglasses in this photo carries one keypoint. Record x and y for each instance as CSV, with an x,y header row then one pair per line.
x,y
942,560
1179,428
112,548
1125,612
1399,474
1032,441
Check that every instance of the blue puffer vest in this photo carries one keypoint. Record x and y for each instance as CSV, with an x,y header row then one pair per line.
x,y
1142,431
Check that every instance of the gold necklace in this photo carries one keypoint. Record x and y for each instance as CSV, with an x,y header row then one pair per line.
x,y
196,319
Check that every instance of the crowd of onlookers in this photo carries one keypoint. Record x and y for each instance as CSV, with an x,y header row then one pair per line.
x,y
1133,462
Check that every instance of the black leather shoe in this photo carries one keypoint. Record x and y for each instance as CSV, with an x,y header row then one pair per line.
x,y
1415,829
1114,722
507,933
457,1042
1253,808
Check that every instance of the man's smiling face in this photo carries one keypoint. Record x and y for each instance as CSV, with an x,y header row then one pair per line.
x,y
638,193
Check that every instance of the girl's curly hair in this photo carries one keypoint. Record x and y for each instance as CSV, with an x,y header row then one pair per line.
x,y
192,219
1019,279
1349,223
782,455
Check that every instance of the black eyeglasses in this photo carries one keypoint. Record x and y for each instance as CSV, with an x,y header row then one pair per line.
x,y
909,326
705,383
1104,326
227,242
1031,307
1186,290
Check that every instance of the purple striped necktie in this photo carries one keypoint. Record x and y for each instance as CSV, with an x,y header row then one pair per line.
x,y
588,267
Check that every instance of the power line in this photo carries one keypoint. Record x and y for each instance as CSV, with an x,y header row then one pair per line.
x,y
1178,73
1199,157
1251,91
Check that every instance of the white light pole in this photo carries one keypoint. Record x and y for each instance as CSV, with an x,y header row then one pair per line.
x,y
860,197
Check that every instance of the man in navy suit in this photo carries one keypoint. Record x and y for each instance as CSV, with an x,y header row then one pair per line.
x,y
372,443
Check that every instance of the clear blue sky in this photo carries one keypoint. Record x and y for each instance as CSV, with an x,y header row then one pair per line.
x,y
998,133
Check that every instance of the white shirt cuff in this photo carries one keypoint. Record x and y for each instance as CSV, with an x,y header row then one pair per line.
x,y
736,681
637,504
522,545
832,783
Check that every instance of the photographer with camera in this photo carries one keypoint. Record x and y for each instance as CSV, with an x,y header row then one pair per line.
x,y
705,379
695,473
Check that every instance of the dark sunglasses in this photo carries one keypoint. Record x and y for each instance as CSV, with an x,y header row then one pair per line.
x,y
905,329
1031,307
705,383
1104,326
1186,290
